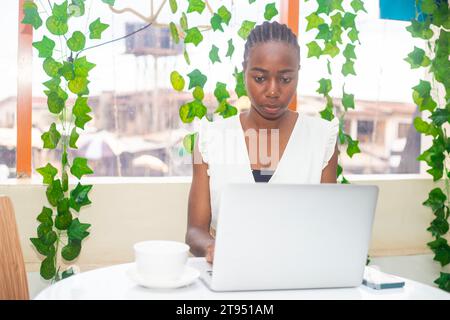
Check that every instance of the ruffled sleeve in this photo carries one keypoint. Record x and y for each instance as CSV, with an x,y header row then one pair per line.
x,y
330,143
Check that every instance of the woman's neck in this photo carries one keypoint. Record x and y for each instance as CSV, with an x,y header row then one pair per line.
x,y
254,120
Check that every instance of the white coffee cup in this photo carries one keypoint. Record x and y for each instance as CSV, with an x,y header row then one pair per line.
x,y
161,260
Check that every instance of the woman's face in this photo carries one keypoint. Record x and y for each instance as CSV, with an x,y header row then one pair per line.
x,y
271,77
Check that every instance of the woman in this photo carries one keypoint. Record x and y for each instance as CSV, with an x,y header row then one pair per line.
x,y
303,149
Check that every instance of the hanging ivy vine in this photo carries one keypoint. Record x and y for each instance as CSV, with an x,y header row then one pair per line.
x,y
60,232
193,36
433,26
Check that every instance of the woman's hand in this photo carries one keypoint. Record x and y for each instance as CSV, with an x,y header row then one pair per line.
x,y
210,253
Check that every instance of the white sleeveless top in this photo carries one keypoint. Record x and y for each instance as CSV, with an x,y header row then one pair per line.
x,y
222,146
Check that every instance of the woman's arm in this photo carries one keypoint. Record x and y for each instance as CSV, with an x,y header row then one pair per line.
x,y
329,172
198,235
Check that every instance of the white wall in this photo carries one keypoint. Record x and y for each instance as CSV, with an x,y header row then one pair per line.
x,y
125,211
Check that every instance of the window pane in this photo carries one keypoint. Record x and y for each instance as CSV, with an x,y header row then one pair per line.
x,y
384,111
8,92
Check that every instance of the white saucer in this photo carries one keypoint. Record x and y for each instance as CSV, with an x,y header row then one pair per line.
x,y
189,276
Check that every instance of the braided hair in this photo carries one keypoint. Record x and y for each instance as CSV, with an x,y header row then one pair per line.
x,y
270,31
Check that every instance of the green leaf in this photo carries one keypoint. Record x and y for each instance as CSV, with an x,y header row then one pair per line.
x,y
57,26
314,50
67,71
79,196
331,50
51,137
348,100
438,227
353,35
226,110
31,14
77,41
246,28
196,78
198,93
428,6
198,108
73,138
48,268
82,67
65,181
216,22
240,83
352,147
174,32
270,11
189,142
110,2
80,167
72,250
349,52
348,21
420,30
336,20
51,67
48,173
78,84
224,14
313,21
186,57
54,193
443,281
251,1
45,47
184,22
194,36
77,230
347,68
423,88
68,273
214,54
324,32
55,103
325,86
77,8
421,125
196,6
42,248
52,84
177,81
358,5
327,114
441,250
63,221
230,49
436,199
221,92
417,58
173,6
80,111
440,116
96,29
45,217
187,113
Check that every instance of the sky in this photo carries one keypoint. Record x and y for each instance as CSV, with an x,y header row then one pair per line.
x,y
382,74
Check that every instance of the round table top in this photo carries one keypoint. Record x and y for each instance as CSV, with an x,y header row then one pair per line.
x,y
114,283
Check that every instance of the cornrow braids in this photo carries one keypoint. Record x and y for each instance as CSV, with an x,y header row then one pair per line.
x,y
270,31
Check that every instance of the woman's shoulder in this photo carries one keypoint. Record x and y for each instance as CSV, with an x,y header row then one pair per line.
x,y
316,122
219,122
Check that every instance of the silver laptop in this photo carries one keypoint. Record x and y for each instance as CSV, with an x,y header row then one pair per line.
x,y
291,236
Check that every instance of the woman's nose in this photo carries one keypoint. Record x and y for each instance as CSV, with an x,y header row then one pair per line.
x,y
273,91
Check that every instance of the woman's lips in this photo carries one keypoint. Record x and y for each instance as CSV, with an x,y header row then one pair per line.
x,y
271,109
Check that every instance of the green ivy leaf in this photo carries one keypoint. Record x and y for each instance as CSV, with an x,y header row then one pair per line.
x,y
45,47
428,6
53,84
328,6
349,52
327,114
443,281
77,41
436,199
331,50
421,125
226,110
186,57
48,173
246,28
77,230
270,11
45,217
65,181
423,88
420,30
79,196
77,8
187,113
347,68
348,100
48,268
63,221
314,50
82,67
196,78
73,138
221,92
417,58
110,2
216,22
352,147
184,22
324,32
336,20
177,81
441,250
325,86
31,14
67,71
51,67
196,6
174,32
68,273
353,35
440,116
224,14
51,137
57,25
189,142
230,49
193,36
42,248
240,83
198,108
438,227
96,29
214,54
72,250
313,21
80,167
80,111
55,103
78,85
348,21
251,1
54,193
173,6
358,5
198,93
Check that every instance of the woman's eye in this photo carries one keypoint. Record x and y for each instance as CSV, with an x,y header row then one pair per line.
x,y
286,80
259,79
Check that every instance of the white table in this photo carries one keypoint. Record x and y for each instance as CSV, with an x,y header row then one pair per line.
x,y
114,283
